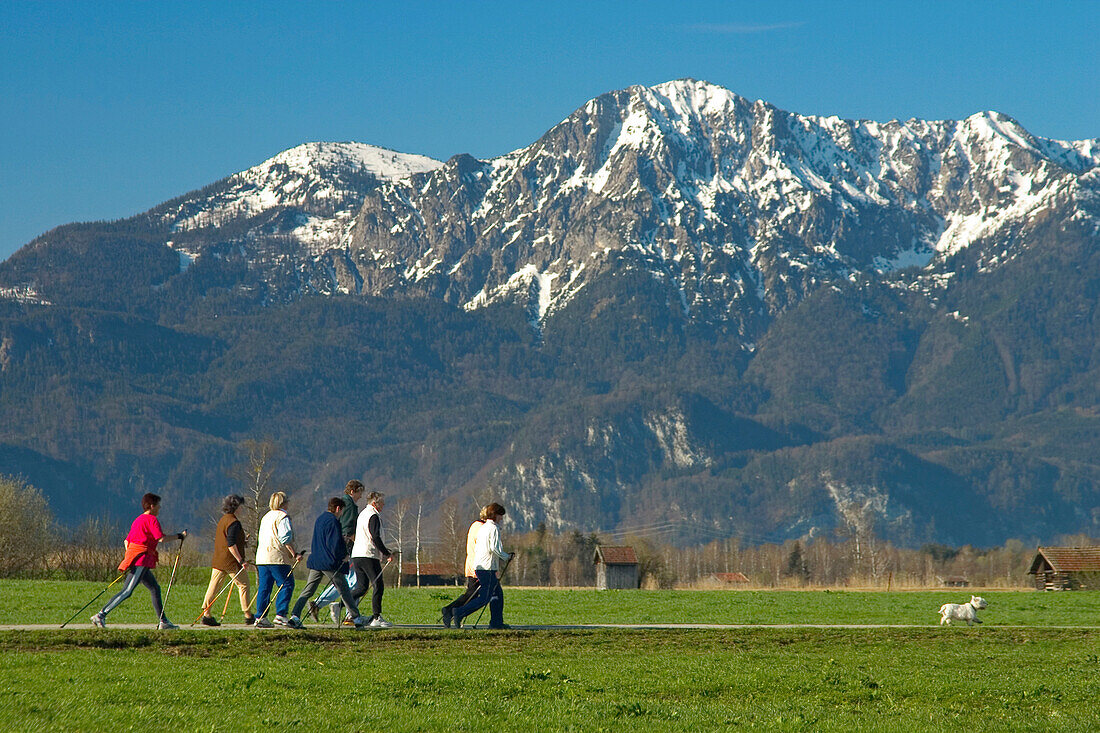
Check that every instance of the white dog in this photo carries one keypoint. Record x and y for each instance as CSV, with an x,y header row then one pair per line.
x,y
967,612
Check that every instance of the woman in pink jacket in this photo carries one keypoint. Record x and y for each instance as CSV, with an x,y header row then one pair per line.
x,y
139,561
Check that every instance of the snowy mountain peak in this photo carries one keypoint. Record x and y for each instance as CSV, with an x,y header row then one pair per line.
x,y
689,97
735,209
308,193
738,207
318,158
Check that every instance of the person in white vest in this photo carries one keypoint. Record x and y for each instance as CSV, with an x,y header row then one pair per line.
x,y
367,554
488,551
275,556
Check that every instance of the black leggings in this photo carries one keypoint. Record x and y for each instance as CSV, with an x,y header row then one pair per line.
x,y
135,575
368,571
471,590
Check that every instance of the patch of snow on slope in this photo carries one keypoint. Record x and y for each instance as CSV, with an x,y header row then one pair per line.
x,y
309,172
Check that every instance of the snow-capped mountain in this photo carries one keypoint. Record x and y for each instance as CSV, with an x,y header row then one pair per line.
x,y
307,194
739,206
735,209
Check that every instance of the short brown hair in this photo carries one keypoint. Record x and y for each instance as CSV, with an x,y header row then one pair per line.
x,y
149,501
353,486
494,508
335,504
375,496
231,503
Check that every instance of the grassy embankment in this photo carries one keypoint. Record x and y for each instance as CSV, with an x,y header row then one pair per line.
x,y
983,678
43,602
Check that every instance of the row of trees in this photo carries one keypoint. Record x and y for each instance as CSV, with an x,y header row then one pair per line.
x,y
32,545
566,560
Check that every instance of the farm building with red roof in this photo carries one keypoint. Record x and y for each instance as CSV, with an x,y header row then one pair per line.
x,y
1066,568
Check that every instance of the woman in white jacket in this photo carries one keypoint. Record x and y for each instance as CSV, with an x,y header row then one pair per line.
x,y
488,552
275,555
367,554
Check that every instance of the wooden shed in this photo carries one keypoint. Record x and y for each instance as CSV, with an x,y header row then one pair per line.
x,y
954,581
1066,568
431,573
616,567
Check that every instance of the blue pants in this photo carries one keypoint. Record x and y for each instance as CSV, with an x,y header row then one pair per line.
x,y
269,577
490,592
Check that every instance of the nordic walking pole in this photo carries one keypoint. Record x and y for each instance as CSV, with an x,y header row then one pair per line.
x,y
214,600
379,575
225,608
120,577
503,570
477,586
176,564
278,588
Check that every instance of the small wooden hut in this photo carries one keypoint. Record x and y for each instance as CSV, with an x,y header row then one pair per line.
x,y
616,567
733,580
1066,568
954,581
431,573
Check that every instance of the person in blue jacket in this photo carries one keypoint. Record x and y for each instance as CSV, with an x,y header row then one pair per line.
x,y
327,554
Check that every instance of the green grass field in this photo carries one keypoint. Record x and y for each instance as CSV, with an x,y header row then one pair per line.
x,y
981,678
40,602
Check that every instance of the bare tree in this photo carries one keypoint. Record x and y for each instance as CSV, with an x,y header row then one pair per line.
x,y
257,476
399,512
419,509
453,536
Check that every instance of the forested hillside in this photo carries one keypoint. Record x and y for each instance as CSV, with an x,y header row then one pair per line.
x,y
617,326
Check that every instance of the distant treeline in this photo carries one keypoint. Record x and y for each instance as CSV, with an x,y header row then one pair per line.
x,y
33,545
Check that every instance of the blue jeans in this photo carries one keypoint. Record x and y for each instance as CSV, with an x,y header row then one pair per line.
x,y
490,592
270,576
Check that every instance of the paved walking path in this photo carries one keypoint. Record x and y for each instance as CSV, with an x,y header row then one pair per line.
x,y
527,627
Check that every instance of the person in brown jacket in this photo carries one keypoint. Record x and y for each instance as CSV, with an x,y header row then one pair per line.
x,y
229,561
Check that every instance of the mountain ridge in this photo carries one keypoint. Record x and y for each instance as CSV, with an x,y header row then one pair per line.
x,y
674,293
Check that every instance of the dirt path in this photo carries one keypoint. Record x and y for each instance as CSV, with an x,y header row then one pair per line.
x,y
528,627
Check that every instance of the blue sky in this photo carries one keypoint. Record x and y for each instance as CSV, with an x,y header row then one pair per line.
x,y
110,108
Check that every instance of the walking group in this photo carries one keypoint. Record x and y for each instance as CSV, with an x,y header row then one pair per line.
x,y
349,574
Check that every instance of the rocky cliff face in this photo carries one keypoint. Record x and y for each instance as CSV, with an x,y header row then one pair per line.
x,y
740,207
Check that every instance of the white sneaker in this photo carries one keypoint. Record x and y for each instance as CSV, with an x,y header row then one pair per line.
x,y
380,623
283,621
166,625
99,620
334,610
360,621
